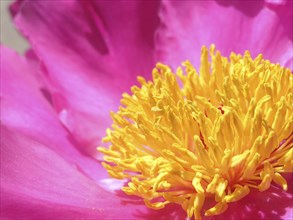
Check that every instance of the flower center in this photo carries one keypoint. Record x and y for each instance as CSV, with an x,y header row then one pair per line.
x,y
184,137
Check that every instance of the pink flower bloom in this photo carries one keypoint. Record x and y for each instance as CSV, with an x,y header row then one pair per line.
x,y
55,101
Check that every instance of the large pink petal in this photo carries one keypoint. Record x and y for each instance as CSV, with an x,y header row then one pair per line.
x,y
284,9
36,183
14,8
273,204
231,25
24,108
92,53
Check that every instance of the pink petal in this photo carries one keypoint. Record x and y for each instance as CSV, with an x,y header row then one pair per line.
x,y
272,204
14,8
277,2
284,9
24,108
232,25
37,183
92,53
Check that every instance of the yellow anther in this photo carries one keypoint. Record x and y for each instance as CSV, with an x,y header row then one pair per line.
x,y
251,166
212,185
265,183
198,203
238,194
280,180
220,190
236,160
196,183
215,134
156,205
217,209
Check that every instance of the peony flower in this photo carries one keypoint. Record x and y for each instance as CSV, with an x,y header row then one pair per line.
x,y
56,100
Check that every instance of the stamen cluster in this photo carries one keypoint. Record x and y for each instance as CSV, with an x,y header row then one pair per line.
x,y
184,137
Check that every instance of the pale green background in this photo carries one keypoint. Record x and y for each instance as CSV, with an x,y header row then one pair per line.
x,y
8,34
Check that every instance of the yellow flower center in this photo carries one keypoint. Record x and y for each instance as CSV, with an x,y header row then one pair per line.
x,y
184,137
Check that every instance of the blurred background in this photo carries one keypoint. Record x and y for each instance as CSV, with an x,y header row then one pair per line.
x,y
8,34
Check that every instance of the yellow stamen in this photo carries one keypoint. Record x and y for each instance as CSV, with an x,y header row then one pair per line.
x,y
217,135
